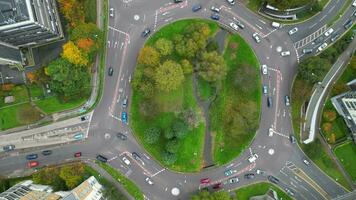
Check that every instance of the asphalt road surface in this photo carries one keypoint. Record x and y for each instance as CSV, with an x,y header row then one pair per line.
x,y
276,154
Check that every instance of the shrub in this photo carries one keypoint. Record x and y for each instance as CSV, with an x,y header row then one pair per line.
x,y
152,135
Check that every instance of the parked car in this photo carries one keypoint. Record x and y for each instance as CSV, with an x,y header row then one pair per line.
x,y
306,162
239,24
307,51
121,136
253,158
32,164
260,172
196,7
231,2
137,157
215,9
233,180
8,148
273,179
285,53
249,176
234,26
323,46
276,25
124,117
264,69
269,102
265,89
229,172
31,156
145,32
292,139
110,71
215,16
292,31
101,158
149,181
328,32
256,37
47,152
218,186
111,11
78,154
126,161
287,100
205,180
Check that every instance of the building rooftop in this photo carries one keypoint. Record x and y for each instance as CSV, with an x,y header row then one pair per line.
x,y
13,11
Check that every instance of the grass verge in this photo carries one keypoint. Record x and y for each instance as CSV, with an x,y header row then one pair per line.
x,y
130,186
235,112
53,104
245,193
346,153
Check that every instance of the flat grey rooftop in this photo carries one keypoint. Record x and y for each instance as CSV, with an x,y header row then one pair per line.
x,y
13,11
10,53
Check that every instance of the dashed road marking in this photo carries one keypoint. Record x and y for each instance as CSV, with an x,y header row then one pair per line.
x,y
306,40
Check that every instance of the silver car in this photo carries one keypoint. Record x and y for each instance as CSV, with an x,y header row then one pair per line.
x,y
292,31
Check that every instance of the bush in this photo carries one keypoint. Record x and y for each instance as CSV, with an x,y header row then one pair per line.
x,y
152,135
180,129
169,158
173,145
169,133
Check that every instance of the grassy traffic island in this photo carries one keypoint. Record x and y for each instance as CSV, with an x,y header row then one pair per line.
x,y
190,83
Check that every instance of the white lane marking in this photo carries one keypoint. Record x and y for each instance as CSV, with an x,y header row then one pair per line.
x,y
258,26
262,21
158,172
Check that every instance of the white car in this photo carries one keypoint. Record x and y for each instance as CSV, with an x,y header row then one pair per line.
x,y
285,53
215,9
270,132
256,37
276,25
328,32
126,161
111,12
292,31
354,3
253,158
149,181
234,26
231,2
322,47
264,69
306,162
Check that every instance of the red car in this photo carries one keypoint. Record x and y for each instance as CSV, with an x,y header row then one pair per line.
x,y
32,164
205,180
78,154
217,186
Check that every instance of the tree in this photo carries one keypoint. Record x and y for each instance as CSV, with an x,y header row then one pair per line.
x,y
152,135
164,46
186,66
68,80
74,55
172,146
149,56
169,76
212,66
313,69
72,175
180,129
169,158
73,11
190,117
206,195
169,133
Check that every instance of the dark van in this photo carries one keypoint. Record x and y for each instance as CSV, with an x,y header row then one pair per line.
x,y
102,158
269,101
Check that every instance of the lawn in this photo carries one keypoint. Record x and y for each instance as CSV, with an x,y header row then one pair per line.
x,y
235,112
19,92
90,11
244,193
346,153
36,92
130,186
18,115
53,104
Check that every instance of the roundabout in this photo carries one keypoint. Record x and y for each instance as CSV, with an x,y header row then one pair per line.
x,y
275,154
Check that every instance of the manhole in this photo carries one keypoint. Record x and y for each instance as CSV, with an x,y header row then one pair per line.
x,y
136,17
175,191
271,151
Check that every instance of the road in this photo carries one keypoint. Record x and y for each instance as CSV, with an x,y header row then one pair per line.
x,y
277,155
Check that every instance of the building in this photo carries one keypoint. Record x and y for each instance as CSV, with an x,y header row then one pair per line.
x,y
345,105
25,24
90,189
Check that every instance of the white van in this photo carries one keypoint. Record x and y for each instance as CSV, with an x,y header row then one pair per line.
x,y
276,25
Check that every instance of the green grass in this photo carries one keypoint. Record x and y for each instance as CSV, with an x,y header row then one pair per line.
x,y
233,134
339,128
205,89
54,104
90,11
130,186
346,153
19,92
18,115
36,91
257,189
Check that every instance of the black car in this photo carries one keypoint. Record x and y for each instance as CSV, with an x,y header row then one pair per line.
x,y
196,7
47,152
102,158
137,157
110,71
178,1
8,148
146,32
273,179
31,156
319,40
121,136
269,101
215,16
348,24
249,176
292,139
